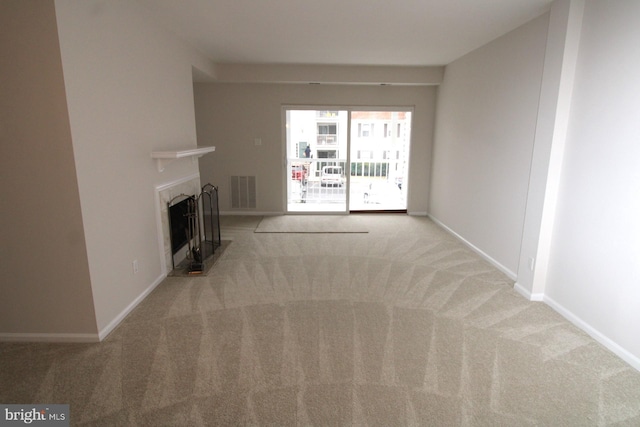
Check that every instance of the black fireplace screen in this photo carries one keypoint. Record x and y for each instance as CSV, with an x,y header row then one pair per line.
x,y
194,223
210,219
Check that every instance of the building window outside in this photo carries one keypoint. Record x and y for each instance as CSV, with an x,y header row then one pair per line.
x,y
365,130
327,154
387,130
365,154
326,114
327,133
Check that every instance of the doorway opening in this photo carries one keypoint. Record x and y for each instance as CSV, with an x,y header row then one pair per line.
x,y
379,160
347,160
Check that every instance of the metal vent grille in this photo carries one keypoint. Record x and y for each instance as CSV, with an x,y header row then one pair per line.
x,y
243,192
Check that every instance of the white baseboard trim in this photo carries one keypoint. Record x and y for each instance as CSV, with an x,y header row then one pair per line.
x,y
618,350
83,338
528,295
513,276
124,313
40,337
417,213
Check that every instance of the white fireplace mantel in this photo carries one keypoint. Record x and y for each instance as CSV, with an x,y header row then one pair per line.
x,y
164,157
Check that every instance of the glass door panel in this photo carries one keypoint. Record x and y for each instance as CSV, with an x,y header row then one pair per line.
x,y
316,166
379,155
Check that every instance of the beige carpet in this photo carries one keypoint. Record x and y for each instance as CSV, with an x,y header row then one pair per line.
x,y
312,224
399,326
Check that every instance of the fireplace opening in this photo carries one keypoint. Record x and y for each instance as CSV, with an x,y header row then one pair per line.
x,y
179,224
194,229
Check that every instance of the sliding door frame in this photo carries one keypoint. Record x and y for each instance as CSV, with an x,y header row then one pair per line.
x,y
349,109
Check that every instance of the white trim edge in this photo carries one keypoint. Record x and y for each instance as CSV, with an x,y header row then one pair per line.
x,y
618,350
528,295
44,337
513,276
187,178
82,338
124,313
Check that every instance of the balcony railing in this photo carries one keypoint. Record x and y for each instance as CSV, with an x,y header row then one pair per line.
x,y
373,183
327,140
368,168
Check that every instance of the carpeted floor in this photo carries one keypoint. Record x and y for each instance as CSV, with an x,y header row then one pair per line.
x,y
312,224
402,325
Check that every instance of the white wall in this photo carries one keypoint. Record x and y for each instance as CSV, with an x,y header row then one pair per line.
x,y
485,128
594,268
561,54
129,91
592,275
45,286
231,115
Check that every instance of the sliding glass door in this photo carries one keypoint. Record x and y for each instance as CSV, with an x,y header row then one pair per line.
x,y
340,160
379,159
317,142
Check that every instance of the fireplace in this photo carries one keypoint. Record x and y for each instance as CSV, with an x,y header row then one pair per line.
x,y
194,229
178,190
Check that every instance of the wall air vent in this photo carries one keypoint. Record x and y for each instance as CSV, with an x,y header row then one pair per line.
x,y
243,192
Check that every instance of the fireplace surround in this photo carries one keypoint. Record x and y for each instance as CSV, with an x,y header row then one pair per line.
x,y
164,193
194,228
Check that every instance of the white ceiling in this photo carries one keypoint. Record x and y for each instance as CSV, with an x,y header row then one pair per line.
x,y
342,32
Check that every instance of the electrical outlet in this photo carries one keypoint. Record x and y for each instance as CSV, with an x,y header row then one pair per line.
x,y
257,141
135,266
532,263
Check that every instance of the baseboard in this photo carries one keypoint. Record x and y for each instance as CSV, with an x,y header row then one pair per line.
x,y
513,276
83,338
528,295
124,313
417,213
612,346
40,337
618,350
